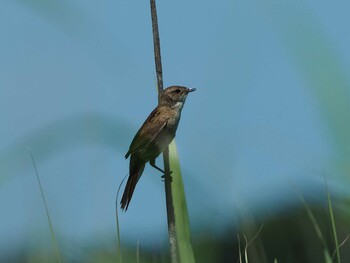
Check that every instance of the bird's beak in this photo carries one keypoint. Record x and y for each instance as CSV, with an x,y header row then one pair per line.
x,y
190,90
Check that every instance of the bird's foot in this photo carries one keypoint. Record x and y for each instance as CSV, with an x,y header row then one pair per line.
x,y
163,176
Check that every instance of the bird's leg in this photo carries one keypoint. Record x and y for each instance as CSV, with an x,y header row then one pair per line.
x,y
153,164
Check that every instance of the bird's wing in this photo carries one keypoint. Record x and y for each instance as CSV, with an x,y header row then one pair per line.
x,y
152,126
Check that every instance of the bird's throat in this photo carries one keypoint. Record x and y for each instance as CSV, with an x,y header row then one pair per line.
x,y
178,105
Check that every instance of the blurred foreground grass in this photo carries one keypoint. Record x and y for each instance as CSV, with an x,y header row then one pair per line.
x,y
288,238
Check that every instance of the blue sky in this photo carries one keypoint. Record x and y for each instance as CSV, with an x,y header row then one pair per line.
x,y
77,79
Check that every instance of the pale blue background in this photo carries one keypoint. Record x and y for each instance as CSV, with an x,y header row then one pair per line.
x,y
77,79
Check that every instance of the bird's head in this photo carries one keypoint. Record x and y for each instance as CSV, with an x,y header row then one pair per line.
x,y
175,96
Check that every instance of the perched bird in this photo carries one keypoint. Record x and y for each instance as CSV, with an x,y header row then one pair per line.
x,y
155,134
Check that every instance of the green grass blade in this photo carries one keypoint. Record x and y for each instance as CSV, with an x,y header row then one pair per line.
x,y
185,250
331,214
314,223
317,229
327,257
239,249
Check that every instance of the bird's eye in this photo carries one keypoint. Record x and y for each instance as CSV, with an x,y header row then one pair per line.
x,y
177,90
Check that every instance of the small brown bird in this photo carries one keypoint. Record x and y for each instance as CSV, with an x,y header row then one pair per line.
x,y
155,134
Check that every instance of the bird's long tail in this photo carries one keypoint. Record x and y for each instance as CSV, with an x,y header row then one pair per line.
x,y
135,171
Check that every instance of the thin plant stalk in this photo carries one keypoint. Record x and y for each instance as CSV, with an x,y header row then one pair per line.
x,y
119,251
167,177
53,236
178,230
